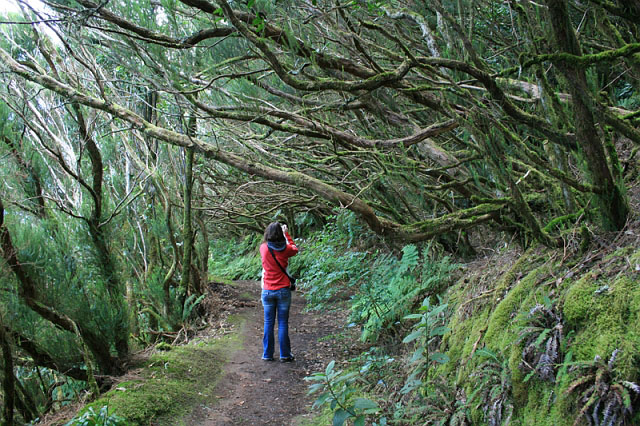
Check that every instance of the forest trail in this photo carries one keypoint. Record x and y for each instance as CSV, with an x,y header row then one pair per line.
x,y
255,392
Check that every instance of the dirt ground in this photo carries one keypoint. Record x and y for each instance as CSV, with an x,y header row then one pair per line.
x,y
257,392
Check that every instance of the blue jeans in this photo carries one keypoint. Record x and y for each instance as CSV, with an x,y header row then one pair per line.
x,y
276,301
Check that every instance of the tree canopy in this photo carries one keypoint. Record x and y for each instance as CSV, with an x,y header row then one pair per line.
x,y
426,119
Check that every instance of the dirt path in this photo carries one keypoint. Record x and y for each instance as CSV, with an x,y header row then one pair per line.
x,y
255,392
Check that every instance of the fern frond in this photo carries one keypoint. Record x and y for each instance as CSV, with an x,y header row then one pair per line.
x,y
580,381
630,385
585,408
612,360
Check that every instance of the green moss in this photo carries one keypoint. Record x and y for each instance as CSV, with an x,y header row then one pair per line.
x,y
505,321
461,343
634,259
172,382
605,316
620,253
222,280
600,307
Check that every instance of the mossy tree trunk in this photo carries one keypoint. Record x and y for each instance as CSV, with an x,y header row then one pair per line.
x,y
203,253
187,221
28,292
8,379
167,306
115,288
33,183
611,200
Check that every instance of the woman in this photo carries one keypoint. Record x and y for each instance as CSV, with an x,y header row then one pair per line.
x,y
277,248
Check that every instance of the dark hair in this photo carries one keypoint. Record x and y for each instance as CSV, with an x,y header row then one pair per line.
x,y
273,233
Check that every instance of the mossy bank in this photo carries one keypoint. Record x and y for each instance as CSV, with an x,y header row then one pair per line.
x,y
172,380
595,300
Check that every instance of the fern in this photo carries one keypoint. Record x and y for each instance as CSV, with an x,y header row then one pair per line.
x,y
394,287
542,339
442,404
189,305
493,390
604,399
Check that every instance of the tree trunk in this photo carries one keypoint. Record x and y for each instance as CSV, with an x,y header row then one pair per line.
x,y
33,184
187,227
28,292
96,230
25,403
166,283
611,201
8,379
204,245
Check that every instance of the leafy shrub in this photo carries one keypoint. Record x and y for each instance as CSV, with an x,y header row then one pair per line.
x,y
392,287
327,263
338,391
102,418
427,333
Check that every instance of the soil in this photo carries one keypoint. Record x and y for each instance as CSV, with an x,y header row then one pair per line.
x,y
257,392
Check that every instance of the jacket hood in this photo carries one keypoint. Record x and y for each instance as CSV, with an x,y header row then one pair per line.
x,y
277,246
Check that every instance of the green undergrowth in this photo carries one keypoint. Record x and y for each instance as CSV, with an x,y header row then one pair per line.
x,y
534,337
172,381
597,309
235,259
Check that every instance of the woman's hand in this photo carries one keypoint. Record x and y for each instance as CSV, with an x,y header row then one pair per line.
x,y
284,229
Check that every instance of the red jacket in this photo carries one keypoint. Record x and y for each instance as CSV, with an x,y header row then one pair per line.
x,y
272,276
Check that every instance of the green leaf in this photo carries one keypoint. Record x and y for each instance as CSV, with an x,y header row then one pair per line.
x,y
413,336
438,309
487,354
333,404
322,399
439,357
315,388
439,331
329,368
365,404
413,316
340,416
418,355
359,421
